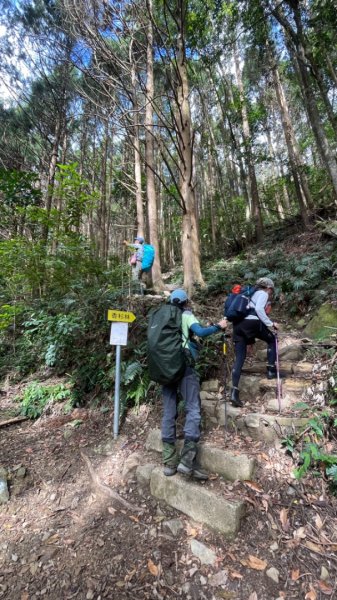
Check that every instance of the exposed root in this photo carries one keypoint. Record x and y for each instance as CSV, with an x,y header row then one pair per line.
x,y
105,489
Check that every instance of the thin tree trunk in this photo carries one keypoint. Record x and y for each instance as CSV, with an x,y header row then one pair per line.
x,y
293,152
136,145
149,157
52,171
256,205
190,240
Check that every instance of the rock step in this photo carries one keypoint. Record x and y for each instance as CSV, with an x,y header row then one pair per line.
x,y
303,369
259,426
196,501
215,460
252,386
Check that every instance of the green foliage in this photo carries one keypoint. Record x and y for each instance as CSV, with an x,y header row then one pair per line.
x,y
8,314
77,201
297,278
135,384
36,396
311,455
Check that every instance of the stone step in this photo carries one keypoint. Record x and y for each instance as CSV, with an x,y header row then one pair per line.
x,y
293,351
215,460
259,426
303,369
198,502
252,386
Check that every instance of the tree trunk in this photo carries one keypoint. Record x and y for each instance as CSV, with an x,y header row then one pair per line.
x,y
149,157
59,132
297,51
136,145
256,205
293,152
190,240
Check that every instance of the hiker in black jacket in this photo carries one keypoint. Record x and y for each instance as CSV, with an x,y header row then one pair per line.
x,y
255,325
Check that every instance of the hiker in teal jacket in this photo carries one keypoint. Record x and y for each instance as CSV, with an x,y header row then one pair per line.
x,y
136,264
189,388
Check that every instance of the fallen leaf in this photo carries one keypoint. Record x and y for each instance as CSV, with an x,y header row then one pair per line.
x,y
313,547
265,504
300,533
159,519
52,539
191,530
29,450
256,563
311,595
111,510
133,518
253,596
253,486
33,567
318,522
264,456
295,574
284,519
325,587
152,567
235,575
24,596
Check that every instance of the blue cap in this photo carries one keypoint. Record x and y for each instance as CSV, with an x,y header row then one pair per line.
x,y
178,297
139,239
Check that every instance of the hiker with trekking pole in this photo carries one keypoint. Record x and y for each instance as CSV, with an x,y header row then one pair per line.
x,y
141,260
172,353
247,312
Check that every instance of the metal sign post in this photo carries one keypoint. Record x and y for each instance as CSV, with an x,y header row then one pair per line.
x,y
118,338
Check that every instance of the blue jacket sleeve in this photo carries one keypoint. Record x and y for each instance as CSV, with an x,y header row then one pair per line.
x,y
204,331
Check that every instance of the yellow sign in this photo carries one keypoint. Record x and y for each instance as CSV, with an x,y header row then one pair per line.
x,y
120,315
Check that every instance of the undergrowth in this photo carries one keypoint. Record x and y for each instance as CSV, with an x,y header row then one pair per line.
x,y
36,396
312,447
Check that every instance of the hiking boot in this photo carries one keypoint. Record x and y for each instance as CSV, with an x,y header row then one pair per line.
x,y
170,459
188,464
271,372
187,458
199,473
235,397
169,471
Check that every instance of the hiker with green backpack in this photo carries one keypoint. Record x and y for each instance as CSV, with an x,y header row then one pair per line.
x,y
172,352
248,313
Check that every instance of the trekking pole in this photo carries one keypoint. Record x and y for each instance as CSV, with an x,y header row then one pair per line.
x,y
224,352
279,382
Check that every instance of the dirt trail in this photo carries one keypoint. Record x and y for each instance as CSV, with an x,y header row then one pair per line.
x,y
62,538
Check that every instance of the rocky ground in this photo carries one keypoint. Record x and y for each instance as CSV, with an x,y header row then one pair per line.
x,y
77,525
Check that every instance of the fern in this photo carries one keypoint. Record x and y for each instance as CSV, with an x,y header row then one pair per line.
x,y
300,284
131,372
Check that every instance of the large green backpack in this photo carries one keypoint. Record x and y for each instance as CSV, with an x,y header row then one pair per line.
x,y
165,355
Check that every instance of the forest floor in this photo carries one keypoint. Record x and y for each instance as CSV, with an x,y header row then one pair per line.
x,y
64,536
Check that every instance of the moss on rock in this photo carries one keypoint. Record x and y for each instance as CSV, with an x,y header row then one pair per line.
x,y
318,326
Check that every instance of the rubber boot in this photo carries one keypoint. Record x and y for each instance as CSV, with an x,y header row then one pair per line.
x,y
235,397
187,457
271,372
170,459
188,464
